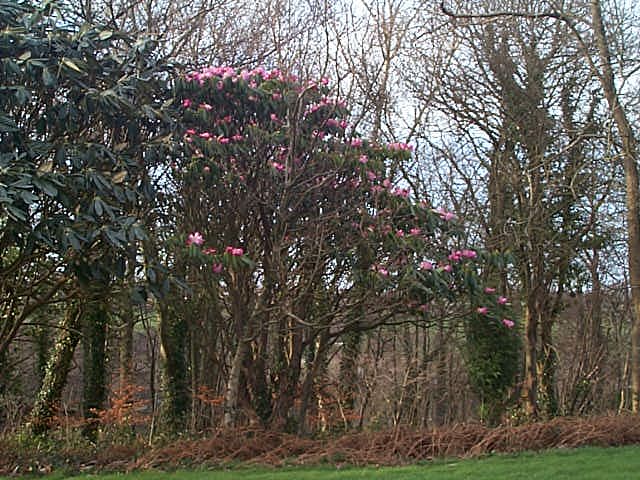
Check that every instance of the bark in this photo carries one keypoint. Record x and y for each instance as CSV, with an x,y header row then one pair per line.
x,y
56,373
529,394
126,350
318,365
94,365
288,381
548,364
629,151
232,392
348,368
173,351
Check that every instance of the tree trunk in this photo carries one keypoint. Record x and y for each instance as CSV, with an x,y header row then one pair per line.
x,y
173,351
94,340
56,372
548,367
348,385
530,385
232,392
126,379
288,379
632,191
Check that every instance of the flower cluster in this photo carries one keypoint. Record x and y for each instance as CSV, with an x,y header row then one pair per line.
x,y
239,133
197,239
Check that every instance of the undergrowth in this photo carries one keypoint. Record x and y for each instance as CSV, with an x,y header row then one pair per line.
x,y
69,452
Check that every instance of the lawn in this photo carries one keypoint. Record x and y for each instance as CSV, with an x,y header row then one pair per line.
x,y
620,463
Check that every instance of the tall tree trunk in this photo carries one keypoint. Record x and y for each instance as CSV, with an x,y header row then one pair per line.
x,y
282,417
548,363
317,365
232,392
629,148
94,341
529,394
126,353
173,352
56,372
350,353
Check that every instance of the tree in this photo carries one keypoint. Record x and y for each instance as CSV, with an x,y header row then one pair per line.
x,y
80,129
288,212
539,179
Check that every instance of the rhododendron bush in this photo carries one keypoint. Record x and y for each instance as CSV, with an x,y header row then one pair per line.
x,y
293,232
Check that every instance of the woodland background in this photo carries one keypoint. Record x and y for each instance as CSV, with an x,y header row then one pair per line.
x,y
522,118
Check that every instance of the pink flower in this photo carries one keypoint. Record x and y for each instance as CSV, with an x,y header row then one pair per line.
x,y
209,251
399,146
482,310
401,192
216,267
445,215
190,131
205,106
223,140
383,271
502,300
274,117
426,265
324,81
206,169
234,251
371,175
415,231
400,233
447,268
205,135
363,159
356,142
508,323
278,166
489,290
455,256
469,254
195,238
186,103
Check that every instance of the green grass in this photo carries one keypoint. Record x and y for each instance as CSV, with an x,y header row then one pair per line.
x,y
621,463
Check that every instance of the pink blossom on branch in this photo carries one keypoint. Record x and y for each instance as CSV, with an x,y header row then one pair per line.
x,y
234,251
195,238
444,214
216,267
508,322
